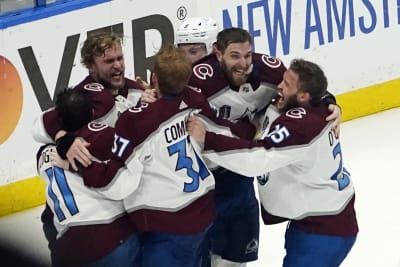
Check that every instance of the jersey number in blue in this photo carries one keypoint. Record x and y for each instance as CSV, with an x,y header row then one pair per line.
x,y
342,176
57,174
184,162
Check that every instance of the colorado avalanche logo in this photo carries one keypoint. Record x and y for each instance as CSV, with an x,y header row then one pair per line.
x,y
202,71
138,109
96,126
296,113
94,87
272,62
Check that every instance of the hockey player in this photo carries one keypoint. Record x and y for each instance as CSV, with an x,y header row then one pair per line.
x,y
196,37
235,81
298,161
92,230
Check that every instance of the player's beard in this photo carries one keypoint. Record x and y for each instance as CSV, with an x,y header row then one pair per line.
x,y
284,104
113,85
235,81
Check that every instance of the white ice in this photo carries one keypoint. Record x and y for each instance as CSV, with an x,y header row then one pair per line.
x,y
371,148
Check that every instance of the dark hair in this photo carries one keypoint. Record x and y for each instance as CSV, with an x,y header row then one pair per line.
x,y
311,79
96,44
74,108
173,70
232,35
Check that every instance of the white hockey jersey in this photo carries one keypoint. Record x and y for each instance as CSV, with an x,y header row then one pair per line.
x,y
72,203
298,163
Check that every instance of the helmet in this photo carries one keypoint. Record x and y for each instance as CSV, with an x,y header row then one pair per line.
x,y
199,30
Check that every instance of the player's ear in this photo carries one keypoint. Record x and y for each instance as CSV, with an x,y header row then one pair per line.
x,y
218,53
303,97
91,68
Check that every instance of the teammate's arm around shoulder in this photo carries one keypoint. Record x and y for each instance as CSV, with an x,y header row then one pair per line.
x,y
196,129
336,112
45,127
73,148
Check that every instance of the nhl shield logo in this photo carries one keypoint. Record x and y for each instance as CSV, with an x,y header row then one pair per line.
x,y
263,179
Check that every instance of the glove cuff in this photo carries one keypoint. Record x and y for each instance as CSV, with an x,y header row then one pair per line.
x,y
64,143
328,99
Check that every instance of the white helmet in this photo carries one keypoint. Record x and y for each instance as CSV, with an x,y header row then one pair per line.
x,y
200,30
